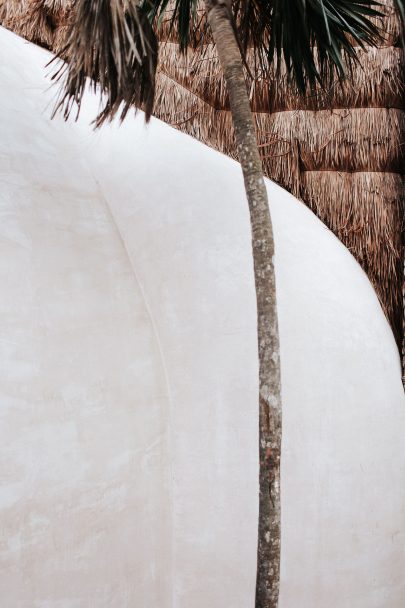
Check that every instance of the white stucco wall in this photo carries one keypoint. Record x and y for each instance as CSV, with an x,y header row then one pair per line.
x,y
128,378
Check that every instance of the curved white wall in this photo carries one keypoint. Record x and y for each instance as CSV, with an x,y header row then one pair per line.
x,y
128,378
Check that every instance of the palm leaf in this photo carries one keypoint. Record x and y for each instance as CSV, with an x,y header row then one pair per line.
x,y
315,38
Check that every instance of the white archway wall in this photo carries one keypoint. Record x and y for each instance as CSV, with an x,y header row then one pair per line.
x,y
79,363
336,397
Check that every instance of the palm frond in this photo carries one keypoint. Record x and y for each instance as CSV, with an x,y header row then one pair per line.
x,y
317,39
112,48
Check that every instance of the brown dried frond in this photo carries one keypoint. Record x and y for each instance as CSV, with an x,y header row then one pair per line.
x,y
112,48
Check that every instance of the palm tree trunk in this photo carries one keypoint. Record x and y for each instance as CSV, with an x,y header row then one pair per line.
x,y
268,555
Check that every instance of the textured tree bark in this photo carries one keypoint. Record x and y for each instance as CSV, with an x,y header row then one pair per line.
x,y
268,555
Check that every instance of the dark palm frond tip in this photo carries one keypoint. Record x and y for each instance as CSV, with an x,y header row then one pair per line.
x,y
111,48
400,5
185,17
315,38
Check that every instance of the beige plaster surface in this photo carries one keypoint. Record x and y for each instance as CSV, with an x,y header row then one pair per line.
x,y
128,416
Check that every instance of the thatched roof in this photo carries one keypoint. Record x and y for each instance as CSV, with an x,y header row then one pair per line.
x,y
41,21
340,151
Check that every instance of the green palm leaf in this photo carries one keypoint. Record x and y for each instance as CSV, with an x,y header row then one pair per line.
x,y
315,38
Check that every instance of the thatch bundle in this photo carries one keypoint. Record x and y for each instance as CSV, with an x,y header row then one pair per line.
x,y
340,151
41,21
376,82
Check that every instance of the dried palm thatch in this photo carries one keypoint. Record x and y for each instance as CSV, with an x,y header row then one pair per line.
x,y
40,21
340,150
376,82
